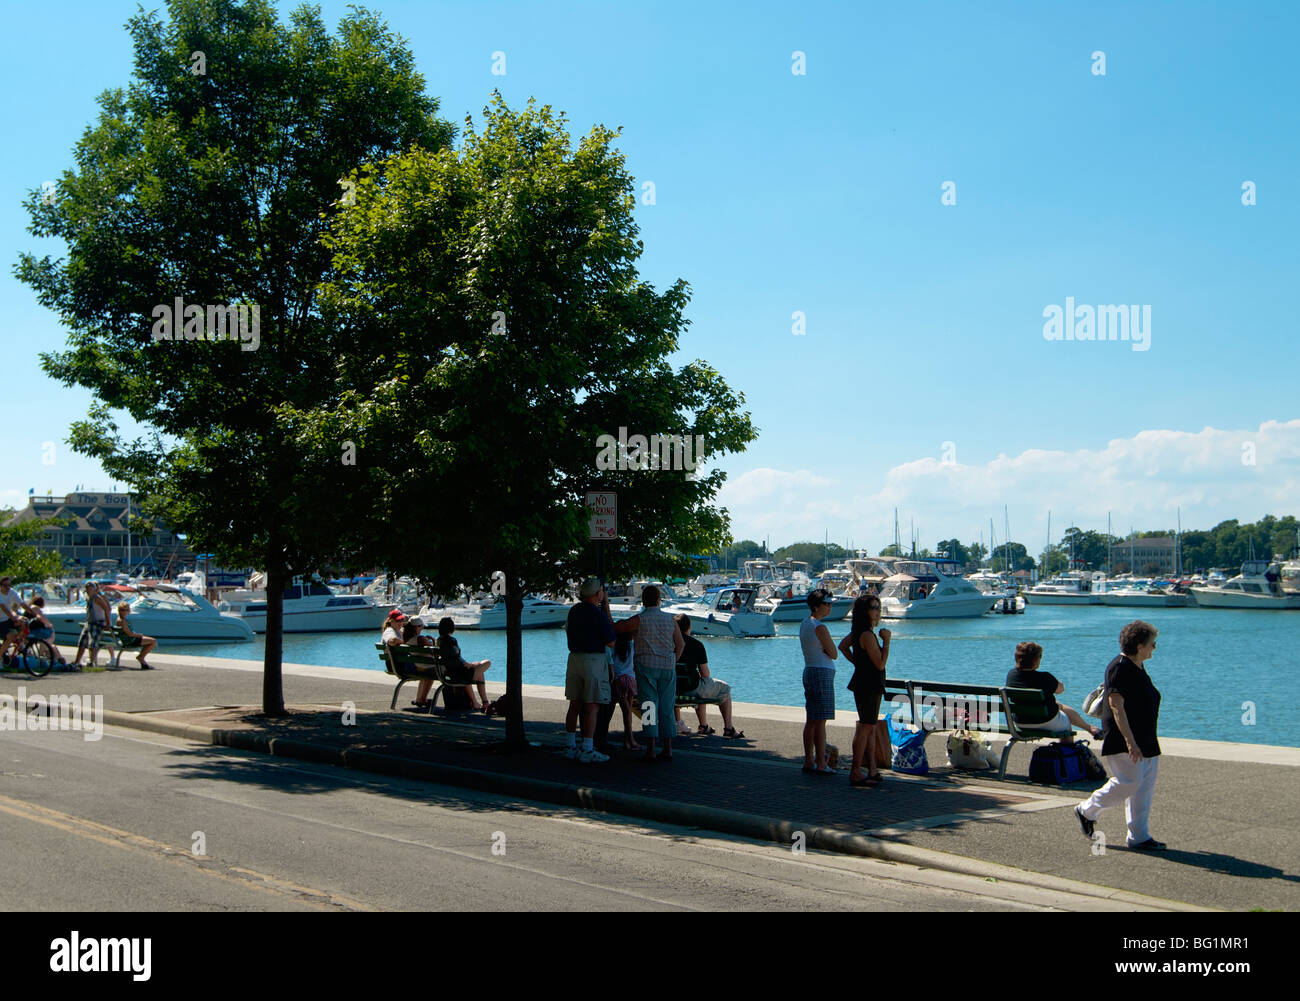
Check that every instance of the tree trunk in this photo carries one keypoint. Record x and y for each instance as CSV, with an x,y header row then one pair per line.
x,y
277,579
516,740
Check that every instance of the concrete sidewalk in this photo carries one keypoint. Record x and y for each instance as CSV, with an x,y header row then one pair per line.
x,y
1229,813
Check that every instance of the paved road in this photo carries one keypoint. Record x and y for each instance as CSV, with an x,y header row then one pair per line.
x,y
109,825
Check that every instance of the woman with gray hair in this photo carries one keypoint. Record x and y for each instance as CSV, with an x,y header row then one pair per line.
x,y
1129,747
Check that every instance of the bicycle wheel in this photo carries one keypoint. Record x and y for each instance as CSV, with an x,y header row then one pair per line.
x,y
38,658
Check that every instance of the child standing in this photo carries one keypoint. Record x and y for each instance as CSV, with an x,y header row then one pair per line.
x,y
625,684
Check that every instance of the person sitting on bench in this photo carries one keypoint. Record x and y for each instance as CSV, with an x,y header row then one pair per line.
x,y
413,635
1060,719
131,639
708,688
460,671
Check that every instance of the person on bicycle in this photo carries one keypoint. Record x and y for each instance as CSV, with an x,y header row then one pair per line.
x,y
11,626
42,628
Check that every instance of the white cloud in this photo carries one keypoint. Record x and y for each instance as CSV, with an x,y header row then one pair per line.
x,y
1142,481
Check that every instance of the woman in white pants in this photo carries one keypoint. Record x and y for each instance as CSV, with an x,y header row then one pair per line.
x,y
1129,747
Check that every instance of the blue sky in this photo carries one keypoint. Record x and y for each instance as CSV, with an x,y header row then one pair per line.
x,y
821,193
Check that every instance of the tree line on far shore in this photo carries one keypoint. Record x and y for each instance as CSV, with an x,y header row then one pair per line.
x,y
1227,545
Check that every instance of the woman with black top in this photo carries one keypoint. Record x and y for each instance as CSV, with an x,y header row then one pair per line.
x,y
868,657
1130,749
1060,719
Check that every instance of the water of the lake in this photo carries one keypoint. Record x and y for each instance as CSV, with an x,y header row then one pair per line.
x,y
1217,669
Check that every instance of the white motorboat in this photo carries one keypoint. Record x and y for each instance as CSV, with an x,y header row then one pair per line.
x,y
405,593
1291,576
159,610
1074,587
1259,585
625,599
918,590
727,612
844,587
309,607
1140,593
786,601
1007,598
486,613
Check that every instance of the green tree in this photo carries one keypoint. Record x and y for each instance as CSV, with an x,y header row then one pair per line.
x,y
1015,554
502,279
736,553
952,549
213,181
891,550
19,558
1055,561
976,551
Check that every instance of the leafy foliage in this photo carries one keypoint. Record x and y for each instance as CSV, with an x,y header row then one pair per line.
x,y
216,188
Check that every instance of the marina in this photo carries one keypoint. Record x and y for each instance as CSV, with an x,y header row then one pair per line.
x,y
1202,698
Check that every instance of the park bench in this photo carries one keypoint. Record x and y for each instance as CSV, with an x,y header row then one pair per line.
x,y
1021,709
115,642
417,663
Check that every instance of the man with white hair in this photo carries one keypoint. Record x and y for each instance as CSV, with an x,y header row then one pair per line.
x,y
590,632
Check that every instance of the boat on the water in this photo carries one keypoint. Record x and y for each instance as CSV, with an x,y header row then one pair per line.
x,y
1291,576
1259,585
919,590
1007,598
309,607
160,610
727,612
488,613
1140,593
625,599
1074,587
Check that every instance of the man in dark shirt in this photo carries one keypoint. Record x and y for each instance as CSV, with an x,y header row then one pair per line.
x,y
694,664
1055,718
1131,750
590,631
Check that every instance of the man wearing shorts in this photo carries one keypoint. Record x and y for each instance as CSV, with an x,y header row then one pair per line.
x,y
590,632
97,619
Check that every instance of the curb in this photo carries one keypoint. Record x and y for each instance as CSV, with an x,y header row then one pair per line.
x,y
759,828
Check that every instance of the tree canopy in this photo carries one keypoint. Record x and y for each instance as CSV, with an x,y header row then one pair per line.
x,y
210,180
500,280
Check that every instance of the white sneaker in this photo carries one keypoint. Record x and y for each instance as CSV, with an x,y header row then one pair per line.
x,y
587,757
572,752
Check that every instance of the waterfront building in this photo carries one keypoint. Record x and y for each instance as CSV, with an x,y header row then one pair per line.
x,y
1157,554
95,528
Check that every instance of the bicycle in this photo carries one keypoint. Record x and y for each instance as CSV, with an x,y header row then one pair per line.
x,y
38,656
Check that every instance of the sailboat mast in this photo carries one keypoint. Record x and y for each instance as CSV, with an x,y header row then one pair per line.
x,y
1006,538
1178,544
1108,571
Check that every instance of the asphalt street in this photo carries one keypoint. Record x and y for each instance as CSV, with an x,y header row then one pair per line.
x,y
119,824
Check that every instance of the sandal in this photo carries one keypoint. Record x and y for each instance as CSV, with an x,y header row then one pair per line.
x,y
705,731
732,732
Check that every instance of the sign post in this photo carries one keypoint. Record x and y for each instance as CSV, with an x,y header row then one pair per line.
x,y
603,525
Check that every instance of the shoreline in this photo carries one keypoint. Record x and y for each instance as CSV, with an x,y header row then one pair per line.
x,y
1179,747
